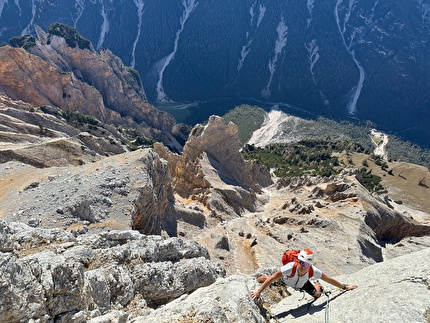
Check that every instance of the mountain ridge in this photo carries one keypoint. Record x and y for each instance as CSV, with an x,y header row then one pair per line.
x,y
362,60
81,80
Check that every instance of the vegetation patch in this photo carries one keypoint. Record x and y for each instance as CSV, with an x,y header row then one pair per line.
x,y
247,119
79,119
25,41
250,118
134,74
405,151
371,181
307,157
135,138
71,35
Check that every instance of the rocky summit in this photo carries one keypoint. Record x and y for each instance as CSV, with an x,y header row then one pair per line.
x,y
112,212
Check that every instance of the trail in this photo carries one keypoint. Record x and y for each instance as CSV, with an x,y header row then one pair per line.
x,y
37,141
380,140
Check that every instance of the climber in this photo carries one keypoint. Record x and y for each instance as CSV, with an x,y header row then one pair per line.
x,y
296,274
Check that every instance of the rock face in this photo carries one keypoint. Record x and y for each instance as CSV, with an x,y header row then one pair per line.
x,y
227,300
75,79
42,137
121,276
211,170
396,290
393,291
220,143
122,191
76,278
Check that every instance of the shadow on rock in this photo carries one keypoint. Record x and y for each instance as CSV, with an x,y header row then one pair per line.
x,y
308,308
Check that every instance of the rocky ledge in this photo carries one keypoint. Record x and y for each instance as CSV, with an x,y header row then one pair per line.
x,y
49,275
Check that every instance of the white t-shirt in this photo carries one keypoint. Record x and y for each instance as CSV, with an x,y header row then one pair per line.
x,y
296,281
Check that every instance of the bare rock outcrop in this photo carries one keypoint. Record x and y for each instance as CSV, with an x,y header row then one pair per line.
x,y
220,142
75,79
382,287
211,170
357,224
227,300
50,275
392,291
387,223
126,191
43,137
124,276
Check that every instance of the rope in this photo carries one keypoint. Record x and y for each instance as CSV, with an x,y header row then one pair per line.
x,y
327,307
327,310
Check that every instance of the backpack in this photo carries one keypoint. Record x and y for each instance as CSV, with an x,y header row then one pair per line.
x,y
292,255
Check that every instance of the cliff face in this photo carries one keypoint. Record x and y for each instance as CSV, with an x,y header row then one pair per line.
x,y
79,277
81,80
211,170
117,192
43,137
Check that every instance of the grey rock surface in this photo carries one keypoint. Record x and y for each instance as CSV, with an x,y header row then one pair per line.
x,y
227,300
392,291
397,290
67,253
92,275
123,192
